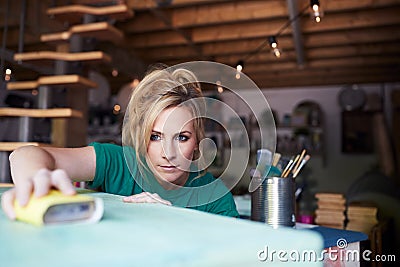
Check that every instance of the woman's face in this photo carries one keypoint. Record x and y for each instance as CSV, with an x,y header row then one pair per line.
x,y
171,146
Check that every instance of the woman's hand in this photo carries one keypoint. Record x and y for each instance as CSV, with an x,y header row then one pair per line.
x,y
39,185
146,197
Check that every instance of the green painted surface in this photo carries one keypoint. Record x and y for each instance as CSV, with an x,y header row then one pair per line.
x,y
151,235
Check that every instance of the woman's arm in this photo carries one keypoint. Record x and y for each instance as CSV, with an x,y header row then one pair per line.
x,y
37,169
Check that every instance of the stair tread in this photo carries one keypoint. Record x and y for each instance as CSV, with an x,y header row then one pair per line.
x,y
40,113
99,30
10,146
73,82
93,56
74,13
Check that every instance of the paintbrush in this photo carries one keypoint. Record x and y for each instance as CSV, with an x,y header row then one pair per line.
x,y
291,166
303,162
287,166
300,160
276,159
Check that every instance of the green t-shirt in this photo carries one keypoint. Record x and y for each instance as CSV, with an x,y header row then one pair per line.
x,y
113,175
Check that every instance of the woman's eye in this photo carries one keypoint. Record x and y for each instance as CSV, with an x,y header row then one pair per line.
x,y
182,138
155,137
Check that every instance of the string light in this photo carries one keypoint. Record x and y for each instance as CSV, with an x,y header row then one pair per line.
x,y
114,73
219,87
116,109
274,45
135,82
239,68
272,40
7,77
316,10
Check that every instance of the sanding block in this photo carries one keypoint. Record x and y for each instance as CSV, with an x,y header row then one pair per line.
x,y
57,208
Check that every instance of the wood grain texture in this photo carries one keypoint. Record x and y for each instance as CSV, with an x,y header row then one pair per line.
x,y
10,146
40,113
75,13
70,81
100,30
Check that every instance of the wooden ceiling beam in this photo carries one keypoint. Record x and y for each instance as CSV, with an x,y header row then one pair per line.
x,y
362,19
142,22
362,50
251,10
261,67
167,38
323,39
326,80
220,12
149,4
353,36
324,72
355,19
228,13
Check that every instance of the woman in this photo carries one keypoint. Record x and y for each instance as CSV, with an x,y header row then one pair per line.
x,y
159,161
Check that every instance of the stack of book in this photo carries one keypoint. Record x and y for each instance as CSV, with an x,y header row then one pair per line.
x,y
330,210
361,217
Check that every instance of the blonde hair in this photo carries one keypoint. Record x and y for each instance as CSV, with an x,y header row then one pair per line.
x,y
160,89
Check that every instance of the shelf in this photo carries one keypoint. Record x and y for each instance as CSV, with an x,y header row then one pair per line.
x,y
74,13
11,146
72,81
92,57
100,30
40,113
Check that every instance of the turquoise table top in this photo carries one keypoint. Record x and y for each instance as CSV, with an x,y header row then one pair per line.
x,y
153,235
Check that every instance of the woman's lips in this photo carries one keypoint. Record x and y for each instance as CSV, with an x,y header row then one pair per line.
x,y
168,167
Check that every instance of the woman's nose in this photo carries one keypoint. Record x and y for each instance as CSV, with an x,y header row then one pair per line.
x,y
168,150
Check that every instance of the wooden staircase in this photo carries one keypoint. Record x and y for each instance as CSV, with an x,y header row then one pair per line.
x,y
69,124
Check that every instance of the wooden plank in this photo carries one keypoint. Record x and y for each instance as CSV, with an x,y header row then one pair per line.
x,y
222,12
71,81
100,30
320,81
142,22
40,113
357,41
11,146
93,56
319,53
228,13
342,21
234,12
259,29
323,72
74,13
150,4
166,38
6,185
261,67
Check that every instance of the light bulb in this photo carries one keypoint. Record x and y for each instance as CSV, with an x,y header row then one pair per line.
x,y
277,53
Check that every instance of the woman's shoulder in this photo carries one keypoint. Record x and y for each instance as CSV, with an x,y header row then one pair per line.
x,y
106,145
111,147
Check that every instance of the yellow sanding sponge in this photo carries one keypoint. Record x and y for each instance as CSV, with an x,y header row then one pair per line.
x,y
57,208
